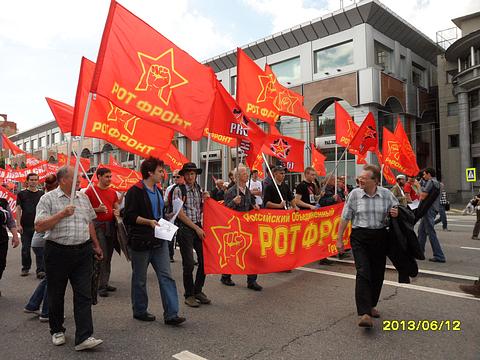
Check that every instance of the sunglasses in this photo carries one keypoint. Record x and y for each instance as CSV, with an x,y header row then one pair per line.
x,y
176,177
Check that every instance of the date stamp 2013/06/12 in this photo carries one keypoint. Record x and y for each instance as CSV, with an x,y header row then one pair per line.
x,y
421,325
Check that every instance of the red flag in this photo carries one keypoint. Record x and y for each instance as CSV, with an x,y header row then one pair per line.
x,y
394,155
144,73
11,198
345,127
174,158
289,150
388,175
318,161
113,124
62,113
113,161
407,148
7,144
258,165
62,161
32,161
221,139
366,138
122,177
361,159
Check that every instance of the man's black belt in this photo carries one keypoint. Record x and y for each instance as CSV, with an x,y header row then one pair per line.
x,y
77,246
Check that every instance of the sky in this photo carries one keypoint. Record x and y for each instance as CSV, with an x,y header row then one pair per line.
x,y
42,42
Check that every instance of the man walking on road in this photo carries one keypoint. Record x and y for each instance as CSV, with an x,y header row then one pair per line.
x,y
368,207
71,242
27,201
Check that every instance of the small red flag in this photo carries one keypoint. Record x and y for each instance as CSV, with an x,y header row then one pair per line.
x,y
122,177
62,161
7,144
144,73
345,127
407,148
62,113
366,138
318,161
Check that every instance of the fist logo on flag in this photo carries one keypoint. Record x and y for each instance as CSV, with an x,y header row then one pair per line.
x,y
285,102
233,242
268,91
394,149
128,120
159,74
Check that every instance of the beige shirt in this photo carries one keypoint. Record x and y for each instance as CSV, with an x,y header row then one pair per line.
x,y
71,230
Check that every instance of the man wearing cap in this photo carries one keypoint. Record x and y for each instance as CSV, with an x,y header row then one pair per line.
x,y
190,234
398,190
272,199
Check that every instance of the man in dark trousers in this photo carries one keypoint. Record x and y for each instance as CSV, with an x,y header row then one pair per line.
x,y
368,207
144,207
27,201
6,221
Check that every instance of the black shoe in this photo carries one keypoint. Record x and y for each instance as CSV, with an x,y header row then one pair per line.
x,y
111,288
177,320
103,293
343,256
325,262
255,286
145,317
24,273
227,281
436,260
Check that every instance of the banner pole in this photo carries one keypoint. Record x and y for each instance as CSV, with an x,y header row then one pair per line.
x,y
381,175
346,173
273,179
69,149
336,168
80,145
90,183
236,168
207,162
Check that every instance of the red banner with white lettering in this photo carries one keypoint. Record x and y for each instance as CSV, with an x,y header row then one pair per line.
x,y
266,241
10,197
20,175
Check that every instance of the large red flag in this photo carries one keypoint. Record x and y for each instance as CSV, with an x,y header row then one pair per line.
x,y
7,144
406,147
115,125
318,161
394,155
287,149
122,177
386,170
144,73
366,138
345,127
62,113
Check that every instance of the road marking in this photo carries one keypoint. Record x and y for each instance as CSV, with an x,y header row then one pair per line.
x,y
393,283
421,271
469,248
187,355
458,225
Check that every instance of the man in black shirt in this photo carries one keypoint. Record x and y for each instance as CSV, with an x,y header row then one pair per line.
x,y
218,193
27,201
305,191
271,199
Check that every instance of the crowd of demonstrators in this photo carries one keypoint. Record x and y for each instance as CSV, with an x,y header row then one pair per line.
x,y
329,196
40,296
70,244
27,201
144,207
240,198
105,202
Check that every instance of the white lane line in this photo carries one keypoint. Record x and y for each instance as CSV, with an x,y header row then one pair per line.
x,y
187,355
459,225
421,271
469,248
392,283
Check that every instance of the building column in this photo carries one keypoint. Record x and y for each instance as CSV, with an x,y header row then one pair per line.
x,y
464,135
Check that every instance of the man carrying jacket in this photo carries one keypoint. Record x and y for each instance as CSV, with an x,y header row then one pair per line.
x,y
144,206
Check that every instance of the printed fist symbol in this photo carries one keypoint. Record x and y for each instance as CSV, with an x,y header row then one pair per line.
x,y
158,76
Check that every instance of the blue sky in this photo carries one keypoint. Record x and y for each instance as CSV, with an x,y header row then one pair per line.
x,y
41,42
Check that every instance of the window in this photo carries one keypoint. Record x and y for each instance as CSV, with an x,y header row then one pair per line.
x,y
474,98
383,56
233,85
41,142
34,144
55,138
452,109
48,140
453,141
476,132
330,59
403,67
418,75
288,71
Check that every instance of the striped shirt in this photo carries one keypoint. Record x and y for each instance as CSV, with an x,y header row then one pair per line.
x,y
71,230
367,211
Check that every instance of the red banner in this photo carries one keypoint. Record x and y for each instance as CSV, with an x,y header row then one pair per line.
x,y
144,73
122,178
20,175
11,198
266,241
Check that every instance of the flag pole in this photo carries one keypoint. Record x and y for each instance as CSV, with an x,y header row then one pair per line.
x,y
208,158
346,173
90,183
273,179
335,170
381,175
82,135
236,169
69,149
336,167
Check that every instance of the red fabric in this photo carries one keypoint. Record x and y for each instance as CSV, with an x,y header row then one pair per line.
x,y
7,144
258,165
122,178
32,161
11,198
20,175
366,138
108,197
318,161
287,149
62,113
361,159
394,155
408,189
267,241
174,158
147,75
108,122
345,127
407,148
62,161
113,161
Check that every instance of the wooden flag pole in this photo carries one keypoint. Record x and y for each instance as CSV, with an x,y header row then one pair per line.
x,y
273,179
207,162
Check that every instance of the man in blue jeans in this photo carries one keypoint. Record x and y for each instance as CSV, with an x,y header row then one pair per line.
x,y
430,188
144,206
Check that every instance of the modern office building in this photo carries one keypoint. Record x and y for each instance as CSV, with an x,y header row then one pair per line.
x,y
459,103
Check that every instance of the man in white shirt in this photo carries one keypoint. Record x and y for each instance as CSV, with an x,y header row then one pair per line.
x,y
255,187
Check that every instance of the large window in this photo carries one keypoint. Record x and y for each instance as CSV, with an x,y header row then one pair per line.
x,y
332,58
288,71
383,56
418,75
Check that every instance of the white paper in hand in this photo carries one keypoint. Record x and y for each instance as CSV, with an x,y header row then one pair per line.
x,y
165,230
177,205
414,204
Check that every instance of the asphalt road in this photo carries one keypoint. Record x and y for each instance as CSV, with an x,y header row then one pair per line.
x,y
307,314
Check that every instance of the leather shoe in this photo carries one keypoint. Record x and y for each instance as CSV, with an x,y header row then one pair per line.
x,y
365,321
227,281
255,286
436,260
145,317
375,313
202,298
177,320
103,293
111,288
191,301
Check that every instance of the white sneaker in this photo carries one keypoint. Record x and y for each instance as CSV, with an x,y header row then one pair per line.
x,y
58,338
91,342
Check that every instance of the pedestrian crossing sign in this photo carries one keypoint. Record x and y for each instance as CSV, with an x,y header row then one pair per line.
x,y
471,174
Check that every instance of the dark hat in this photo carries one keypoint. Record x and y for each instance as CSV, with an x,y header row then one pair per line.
x,y
189,167
279,168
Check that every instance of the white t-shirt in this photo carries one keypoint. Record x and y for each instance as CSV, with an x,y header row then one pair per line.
x,y
256,185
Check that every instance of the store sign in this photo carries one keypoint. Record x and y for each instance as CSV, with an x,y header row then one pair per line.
x,y
325,142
